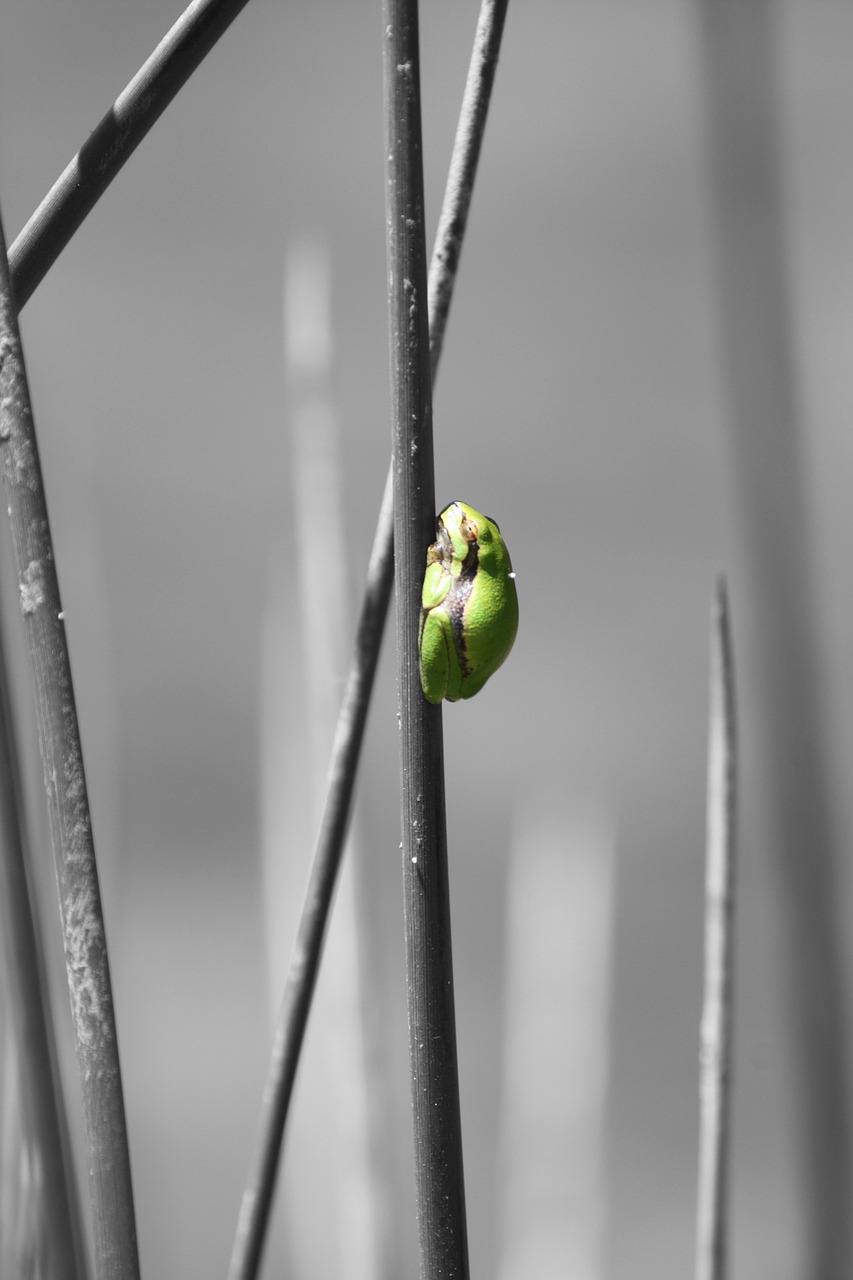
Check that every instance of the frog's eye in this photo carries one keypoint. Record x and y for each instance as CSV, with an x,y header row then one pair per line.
x,y
468,529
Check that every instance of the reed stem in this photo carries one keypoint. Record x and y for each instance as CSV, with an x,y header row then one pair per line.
x,y
715,1060
432,1027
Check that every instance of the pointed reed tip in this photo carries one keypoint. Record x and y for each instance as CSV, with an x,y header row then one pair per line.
x,y
722,660
720,602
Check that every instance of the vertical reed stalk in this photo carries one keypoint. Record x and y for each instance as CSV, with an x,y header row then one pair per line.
x,y
747,205
715,1061
68,811
432,1028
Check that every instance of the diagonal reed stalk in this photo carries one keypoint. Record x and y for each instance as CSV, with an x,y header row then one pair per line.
x,y
68,811
307,950
453,218
745,190
442,1229
113,141
715,1059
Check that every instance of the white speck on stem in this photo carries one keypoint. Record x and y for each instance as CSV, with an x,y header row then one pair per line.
x,y
32,587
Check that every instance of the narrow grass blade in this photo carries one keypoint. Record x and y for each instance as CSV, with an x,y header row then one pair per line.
x,y
68,811
746,191
113,141
305,960
715,1060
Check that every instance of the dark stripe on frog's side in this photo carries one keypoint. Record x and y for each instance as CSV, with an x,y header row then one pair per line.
x,y
457,598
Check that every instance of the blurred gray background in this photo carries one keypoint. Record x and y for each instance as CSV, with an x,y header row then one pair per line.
x,y
580,401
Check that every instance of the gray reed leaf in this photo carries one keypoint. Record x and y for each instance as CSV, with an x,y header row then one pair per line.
x,y
68,811
42,1112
